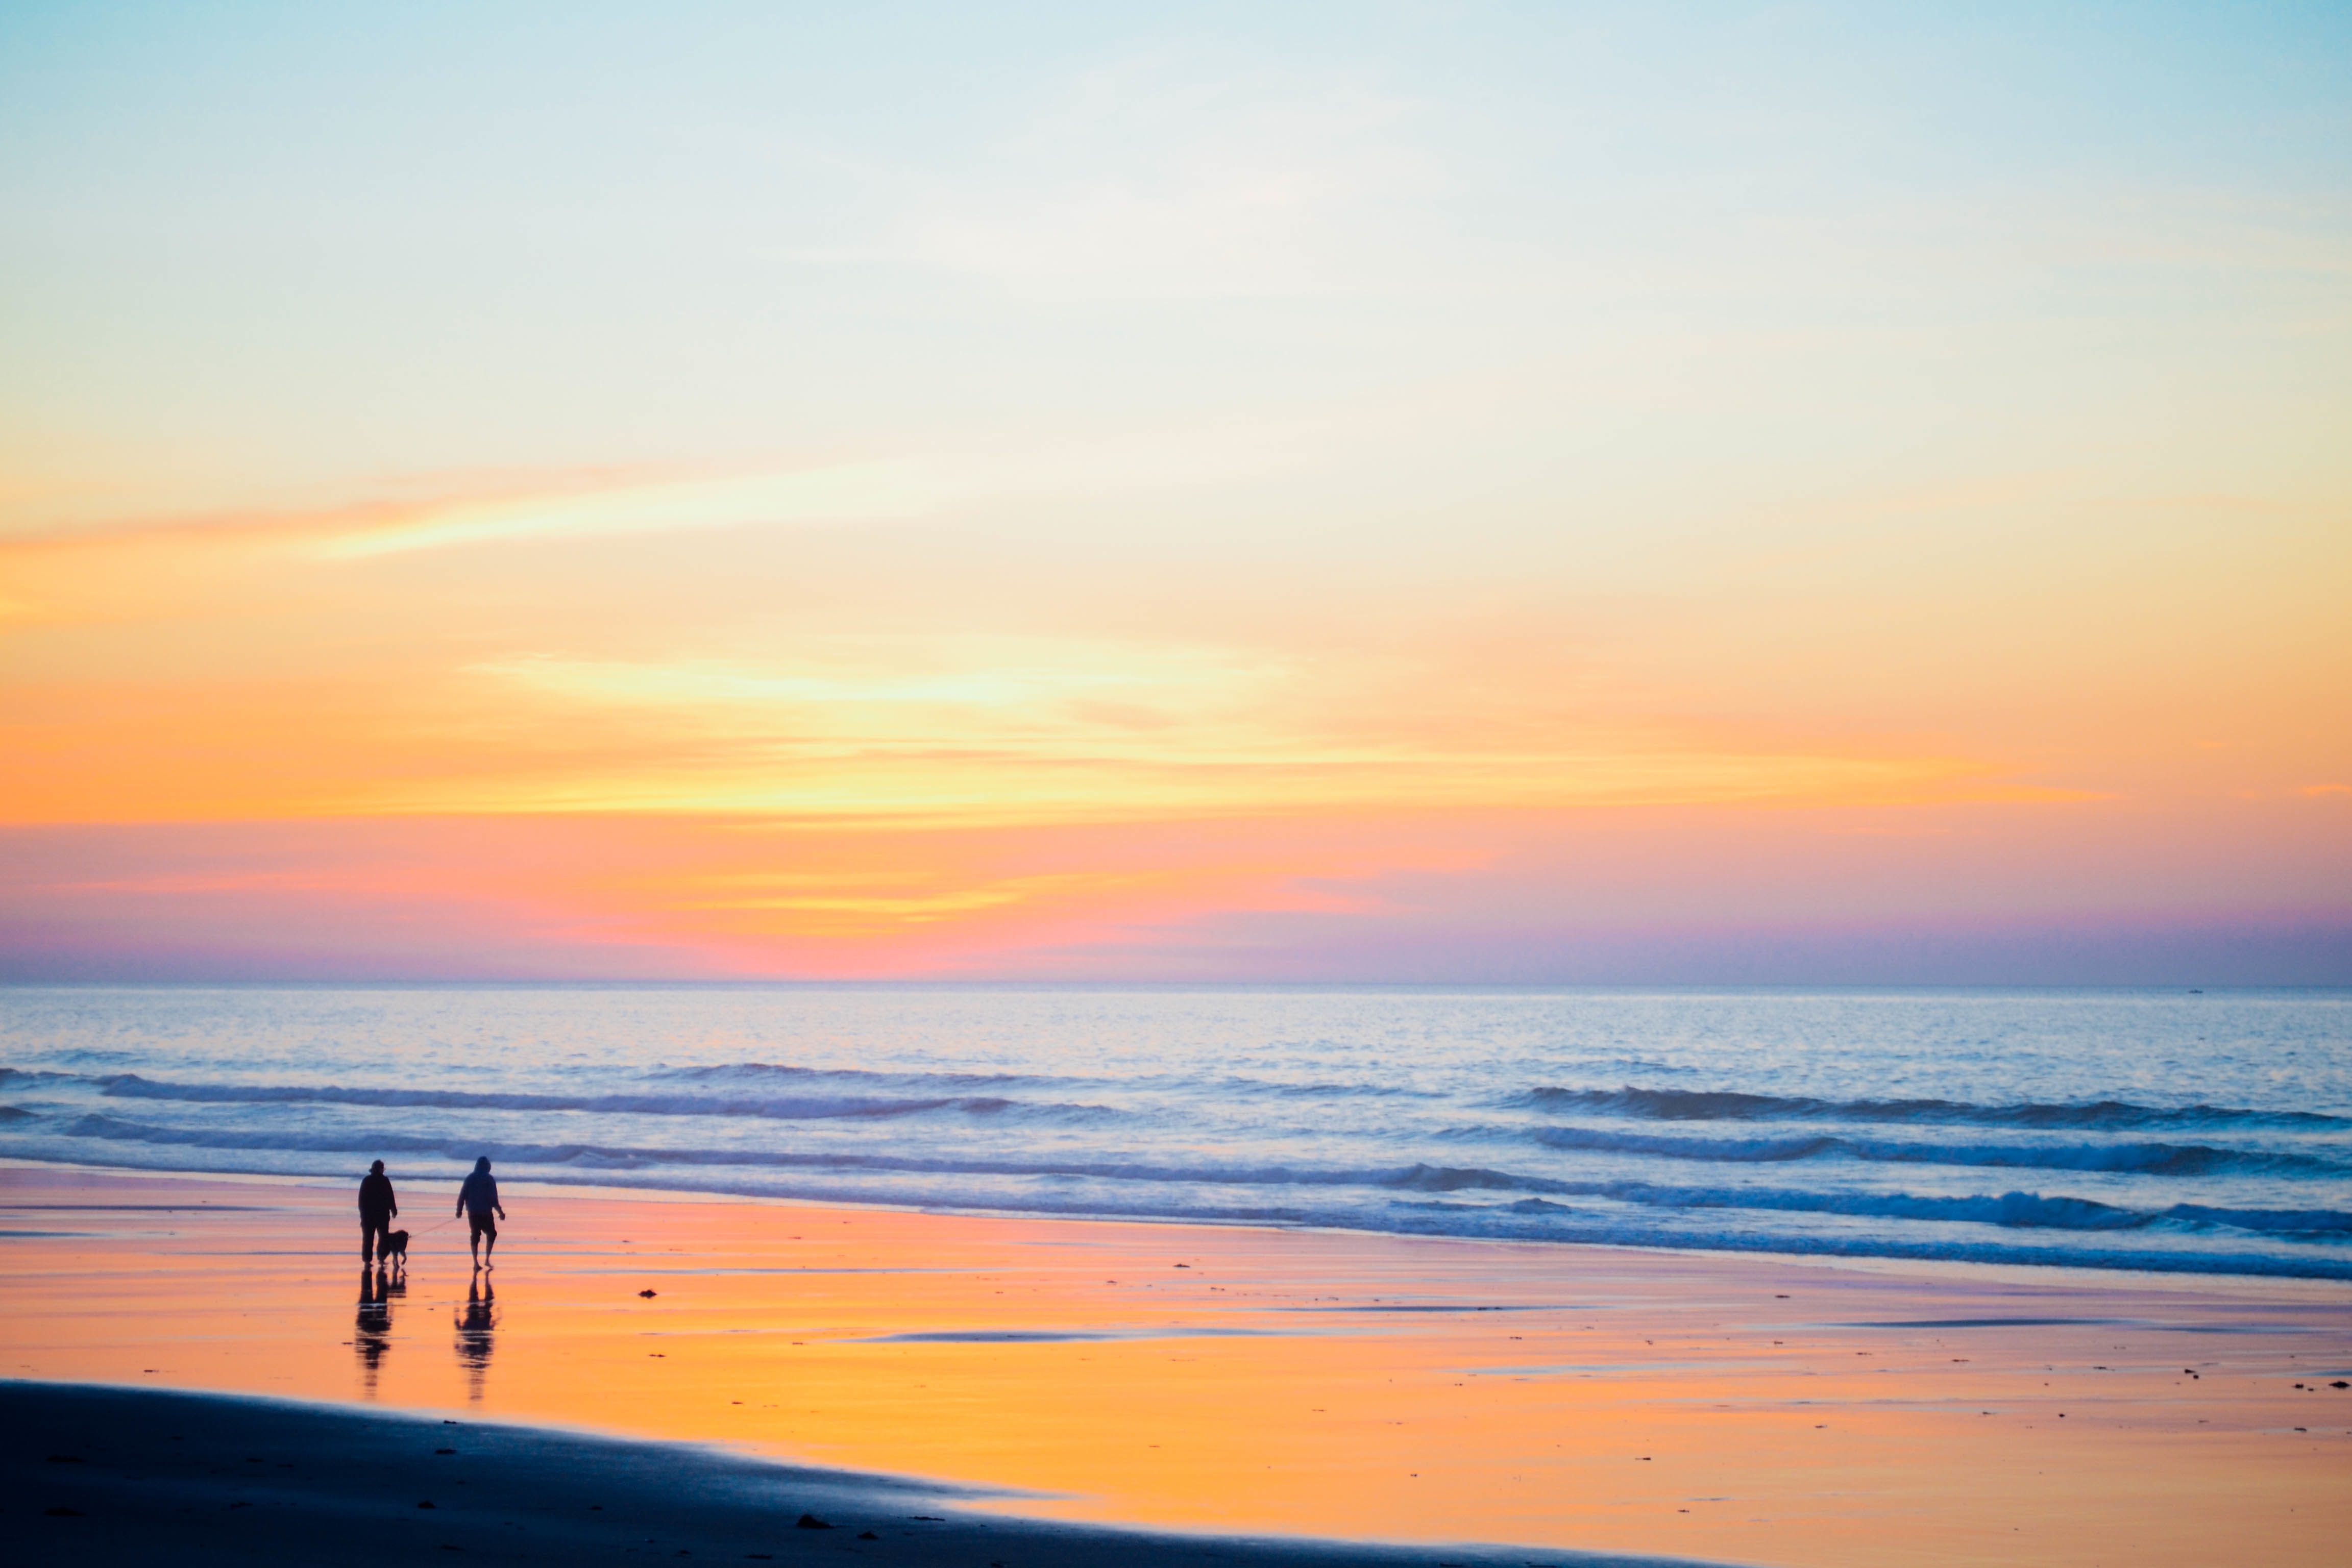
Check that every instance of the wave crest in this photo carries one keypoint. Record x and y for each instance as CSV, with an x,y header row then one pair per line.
x,y
1697,1105
792,1108
2140,1159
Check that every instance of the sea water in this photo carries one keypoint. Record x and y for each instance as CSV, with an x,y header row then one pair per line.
x,y
2134,1129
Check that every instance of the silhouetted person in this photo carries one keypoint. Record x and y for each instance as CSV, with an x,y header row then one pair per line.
x,y
478,1317
478,1200
377,1206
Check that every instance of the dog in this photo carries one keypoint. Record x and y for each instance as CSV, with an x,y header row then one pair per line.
x,y
393,1252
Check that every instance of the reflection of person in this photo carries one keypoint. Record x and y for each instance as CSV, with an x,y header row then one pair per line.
x,y
478,1200
377,1206
374,1336
476,1322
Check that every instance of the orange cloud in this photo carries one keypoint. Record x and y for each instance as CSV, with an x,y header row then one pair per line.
x,y
900,748
275,667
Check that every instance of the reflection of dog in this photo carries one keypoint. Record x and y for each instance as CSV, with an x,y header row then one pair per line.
x,y
393,1249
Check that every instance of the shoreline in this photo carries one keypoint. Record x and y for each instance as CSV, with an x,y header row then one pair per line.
x,y
1232,1381
2326,1287
2277,1268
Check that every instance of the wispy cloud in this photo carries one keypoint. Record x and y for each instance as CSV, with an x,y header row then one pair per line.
x,y
942,482
847,492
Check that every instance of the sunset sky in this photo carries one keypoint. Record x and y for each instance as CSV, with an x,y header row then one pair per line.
x,y
1738,494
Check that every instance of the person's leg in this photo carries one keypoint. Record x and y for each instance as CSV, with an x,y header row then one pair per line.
x,y
474,1239
489,1244
370,1234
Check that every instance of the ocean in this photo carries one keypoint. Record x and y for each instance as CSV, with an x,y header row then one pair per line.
x,y
2169,1130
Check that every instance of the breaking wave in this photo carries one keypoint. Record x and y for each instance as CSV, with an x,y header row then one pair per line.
x,y
784,1108
2105,1115
2155,1159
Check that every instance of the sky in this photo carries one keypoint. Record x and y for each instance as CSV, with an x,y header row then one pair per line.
x,y
1701,494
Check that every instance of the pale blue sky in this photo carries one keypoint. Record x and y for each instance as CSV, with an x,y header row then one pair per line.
x,y
275,254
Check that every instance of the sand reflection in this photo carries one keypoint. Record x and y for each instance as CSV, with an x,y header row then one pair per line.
x,y
476,1321
373,1341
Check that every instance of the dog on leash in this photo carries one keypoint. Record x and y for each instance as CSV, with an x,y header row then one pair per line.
x,y
392,1251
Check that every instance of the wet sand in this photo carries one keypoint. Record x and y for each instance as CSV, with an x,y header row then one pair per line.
x,y
1249,1382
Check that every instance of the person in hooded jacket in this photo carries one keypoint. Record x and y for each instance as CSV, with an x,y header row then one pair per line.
x,y
377,1206
478,1200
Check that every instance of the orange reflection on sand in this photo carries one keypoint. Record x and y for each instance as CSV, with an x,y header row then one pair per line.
x,y
1753,1409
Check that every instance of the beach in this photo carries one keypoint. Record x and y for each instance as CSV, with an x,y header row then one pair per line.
x,y
1224,1383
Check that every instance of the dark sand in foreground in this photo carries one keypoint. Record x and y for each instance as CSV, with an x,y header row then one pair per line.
x,y
93,1476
